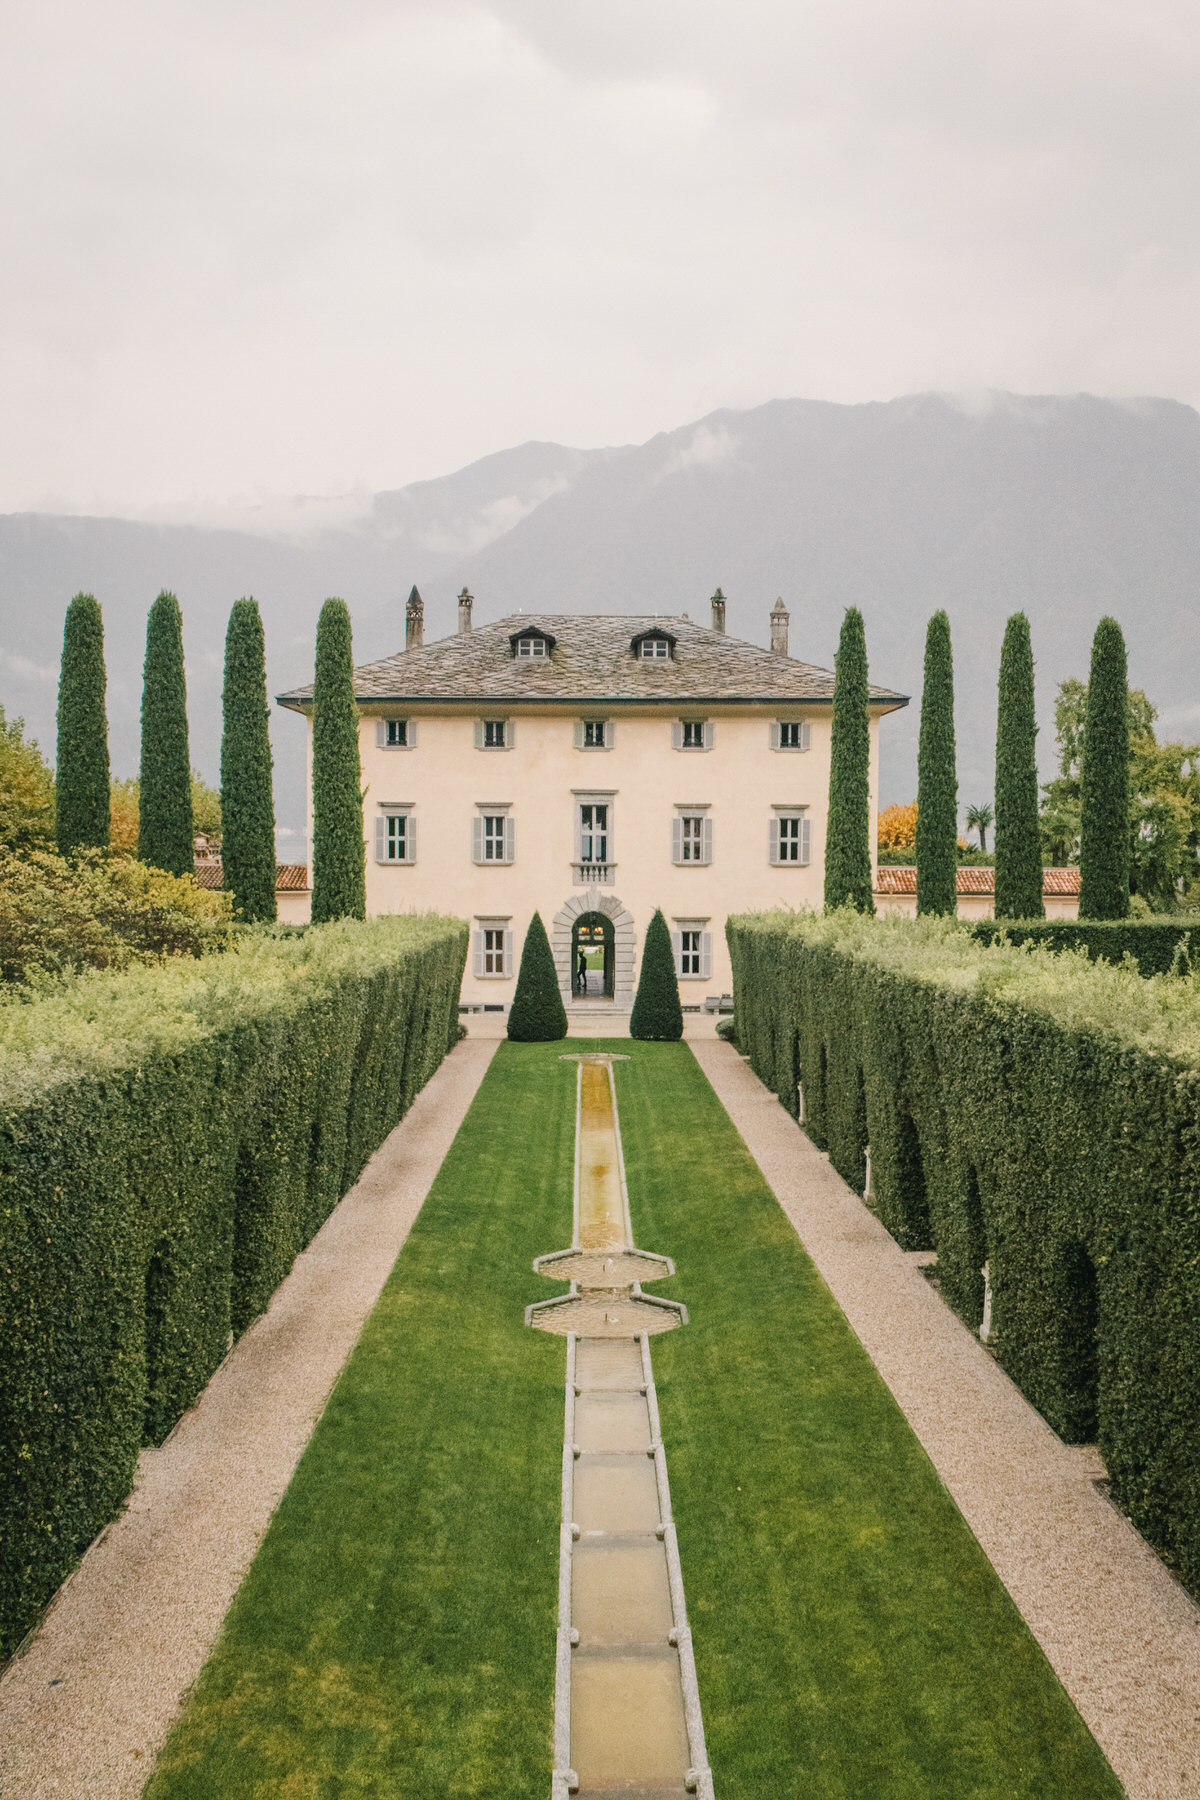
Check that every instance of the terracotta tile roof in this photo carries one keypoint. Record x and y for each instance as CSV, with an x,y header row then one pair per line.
x,y
972,880
592,660
290,878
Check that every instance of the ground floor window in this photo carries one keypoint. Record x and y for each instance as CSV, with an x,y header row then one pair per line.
x,y
692,945
493,948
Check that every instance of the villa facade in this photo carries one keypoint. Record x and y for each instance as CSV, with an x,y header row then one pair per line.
x,y
593,768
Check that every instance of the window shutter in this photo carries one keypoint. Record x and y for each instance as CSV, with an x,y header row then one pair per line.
x,y
774,734
706,955
706,839
510,733
806,839
477,940
677,736
609,732
508,953
677,839
677,951
579,734
510,838
774,838
708,734
410,734
479,734
410,839
477,839
381,734
806,735
381,837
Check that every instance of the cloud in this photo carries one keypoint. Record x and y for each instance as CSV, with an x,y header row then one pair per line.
x,y
708,447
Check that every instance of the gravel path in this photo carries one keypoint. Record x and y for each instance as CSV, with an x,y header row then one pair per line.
x,y
1123,1637
84,1710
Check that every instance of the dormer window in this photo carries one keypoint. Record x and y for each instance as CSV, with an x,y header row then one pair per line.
x,y
653,645
655,649
531,645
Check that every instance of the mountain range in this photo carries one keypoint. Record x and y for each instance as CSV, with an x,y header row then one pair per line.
x,y
1067,507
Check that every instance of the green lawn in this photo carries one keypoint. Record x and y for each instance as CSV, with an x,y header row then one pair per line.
x,y
395,1634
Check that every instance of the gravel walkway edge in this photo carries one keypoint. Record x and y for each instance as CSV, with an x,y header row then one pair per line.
x,y
1122,1635
85,1709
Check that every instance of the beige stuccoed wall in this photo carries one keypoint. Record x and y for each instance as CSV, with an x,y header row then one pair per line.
x,y
976,906
445,778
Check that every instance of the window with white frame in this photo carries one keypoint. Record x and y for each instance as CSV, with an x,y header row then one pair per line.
x,y
655,649
395,734
691,835
532,646
692,945
492,948
593,831
791,734
593,734
395,834
493,833
692,734
791,837
493,734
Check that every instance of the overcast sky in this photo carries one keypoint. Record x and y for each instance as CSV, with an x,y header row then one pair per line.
x,y
332,245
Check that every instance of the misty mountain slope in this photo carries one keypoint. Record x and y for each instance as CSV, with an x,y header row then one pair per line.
x,y
1068,507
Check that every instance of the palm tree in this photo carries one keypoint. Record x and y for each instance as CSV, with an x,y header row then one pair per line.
x,y
978,819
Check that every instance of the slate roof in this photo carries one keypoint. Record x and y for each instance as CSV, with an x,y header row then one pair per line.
x,y
290,878
592,661
902,879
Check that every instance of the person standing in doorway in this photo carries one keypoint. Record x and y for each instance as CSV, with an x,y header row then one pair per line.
x,y
581,972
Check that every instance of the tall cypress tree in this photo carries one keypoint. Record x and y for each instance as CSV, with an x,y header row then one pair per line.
x,y
339,888
82,819
848,832
537,1014
937,778
657,1015
1018,842
247,810
1104,782
165,789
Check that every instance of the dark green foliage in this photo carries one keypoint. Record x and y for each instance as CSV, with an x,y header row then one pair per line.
x,y
1157,946
1018,837
1104,782
937,778
247,809
848,833
165,835
339,878
1002,1129
82,777
537,1014
657,1013
159,1173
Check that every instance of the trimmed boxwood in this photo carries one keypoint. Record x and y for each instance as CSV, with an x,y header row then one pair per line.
x,y
171,1139
1034,1112
1158,946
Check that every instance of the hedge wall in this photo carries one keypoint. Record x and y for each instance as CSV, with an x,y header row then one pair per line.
x,y
1154,944
1039,1113
171,1138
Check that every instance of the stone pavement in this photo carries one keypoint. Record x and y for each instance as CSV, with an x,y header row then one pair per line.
x,y
84,1711
1122,1635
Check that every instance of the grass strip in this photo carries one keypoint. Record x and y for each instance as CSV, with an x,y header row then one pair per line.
x,y
395,1633
851,1637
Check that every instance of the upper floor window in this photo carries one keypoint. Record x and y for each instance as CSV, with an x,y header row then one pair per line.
x,y
493,734
791,734
593,734
655,649
531,645
395,734
791,836
653,645
691,836
692,734
593,831
395,835
493,835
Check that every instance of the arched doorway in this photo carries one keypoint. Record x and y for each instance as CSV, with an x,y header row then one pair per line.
x,y
562,943
593,957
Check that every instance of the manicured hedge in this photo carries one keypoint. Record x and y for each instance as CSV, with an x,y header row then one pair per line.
x,y
171,1138
1158,946
1039,1113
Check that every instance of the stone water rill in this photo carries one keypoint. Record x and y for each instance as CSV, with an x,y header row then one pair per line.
x,y
627,1709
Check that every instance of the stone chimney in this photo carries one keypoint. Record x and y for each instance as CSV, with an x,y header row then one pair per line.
x,y
465,603
718,611
414,622
779,629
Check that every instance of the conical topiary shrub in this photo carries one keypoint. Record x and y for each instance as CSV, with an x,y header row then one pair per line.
x,y
165,789
657,1013
537,1015
247,809
83,773
1104,782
